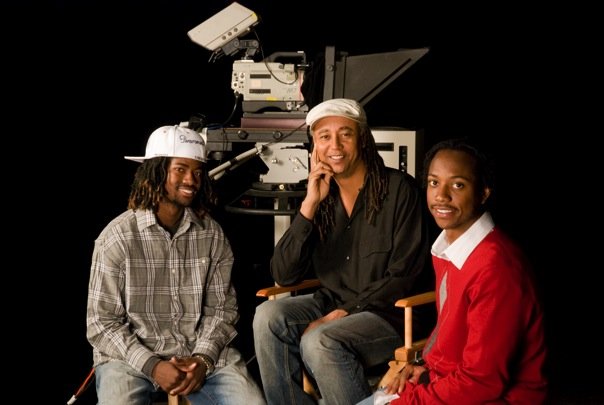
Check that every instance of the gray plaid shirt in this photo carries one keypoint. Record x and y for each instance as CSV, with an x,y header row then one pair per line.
x,y
153,296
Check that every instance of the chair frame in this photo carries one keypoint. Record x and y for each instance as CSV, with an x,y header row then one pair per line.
x,y
177,400
402,355
411,349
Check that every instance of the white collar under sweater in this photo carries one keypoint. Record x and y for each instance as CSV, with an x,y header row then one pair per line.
x,y
458,251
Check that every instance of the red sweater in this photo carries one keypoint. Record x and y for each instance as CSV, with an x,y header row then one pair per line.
x,y
488,345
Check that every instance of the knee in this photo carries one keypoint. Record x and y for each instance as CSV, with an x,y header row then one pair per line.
x,y
117,382
266,314
318,345
111,373
310,348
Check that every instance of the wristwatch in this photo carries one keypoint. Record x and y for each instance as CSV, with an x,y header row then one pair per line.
x,y
207,361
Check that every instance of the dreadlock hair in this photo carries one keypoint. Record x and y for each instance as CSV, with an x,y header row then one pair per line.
x,y
148,188
375,185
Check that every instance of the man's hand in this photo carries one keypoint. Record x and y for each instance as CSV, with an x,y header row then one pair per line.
x,y
180,375
318,185
409,373
167,375
333,315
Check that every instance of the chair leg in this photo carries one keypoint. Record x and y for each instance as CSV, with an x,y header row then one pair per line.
x,y
177,400
309,388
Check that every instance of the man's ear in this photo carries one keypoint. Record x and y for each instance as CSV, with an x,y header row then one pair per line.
x,y
485,195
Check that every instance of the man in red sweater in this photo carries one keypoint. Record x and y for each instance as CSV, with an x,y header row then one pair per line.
x,y
488,345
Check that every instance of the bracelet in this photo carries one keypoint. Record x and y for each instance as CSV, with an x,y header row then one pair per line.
x,y
207,361
417,362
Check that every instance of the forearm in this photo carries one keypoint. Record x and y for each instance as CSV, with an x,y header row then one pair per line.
x,y
220,311
291,258
216,332
309,208
113,340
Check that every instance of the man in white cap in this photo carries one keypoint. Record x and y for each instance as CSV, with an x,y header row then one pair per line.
x,y
361,229
161,307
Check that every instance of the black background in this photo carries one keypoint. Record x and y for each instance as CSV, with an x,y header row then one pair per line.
x,y
97,77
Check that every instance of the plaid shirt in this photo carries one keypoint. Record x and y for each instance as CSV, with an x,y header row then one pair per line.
x,y
154,296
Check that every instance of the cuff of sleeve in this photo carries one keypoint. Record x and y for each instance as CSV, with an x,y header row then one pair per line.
x,y
424,378
352,308
149,366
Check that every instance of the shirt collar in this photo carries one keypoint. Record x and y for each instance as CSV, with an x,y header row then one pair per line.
x,y
458,251
146,218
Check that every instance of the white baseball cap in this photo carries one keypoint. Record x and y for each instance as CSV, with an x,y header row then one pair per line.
x,y
336,107
173,141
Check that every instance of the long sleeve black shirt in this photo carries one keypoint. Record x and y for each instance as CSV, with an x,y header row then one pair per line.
x,y
363,267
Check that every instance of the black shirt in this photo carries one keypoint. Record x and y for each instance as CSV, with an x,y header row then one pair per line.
x,y
363,267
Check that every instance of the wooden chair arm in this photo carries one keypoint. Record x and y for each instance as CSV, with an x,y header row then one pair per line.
x,y
409,353
271,291
408,303
415,300
402,356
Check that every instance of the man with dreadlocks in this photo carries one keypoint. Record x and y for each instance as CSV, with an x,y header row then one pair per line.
x,y
362,230
161,306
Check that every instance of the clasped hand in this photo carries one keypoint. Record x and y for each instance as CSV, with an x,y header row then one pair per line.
x,y
409,373
180,375
333,315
